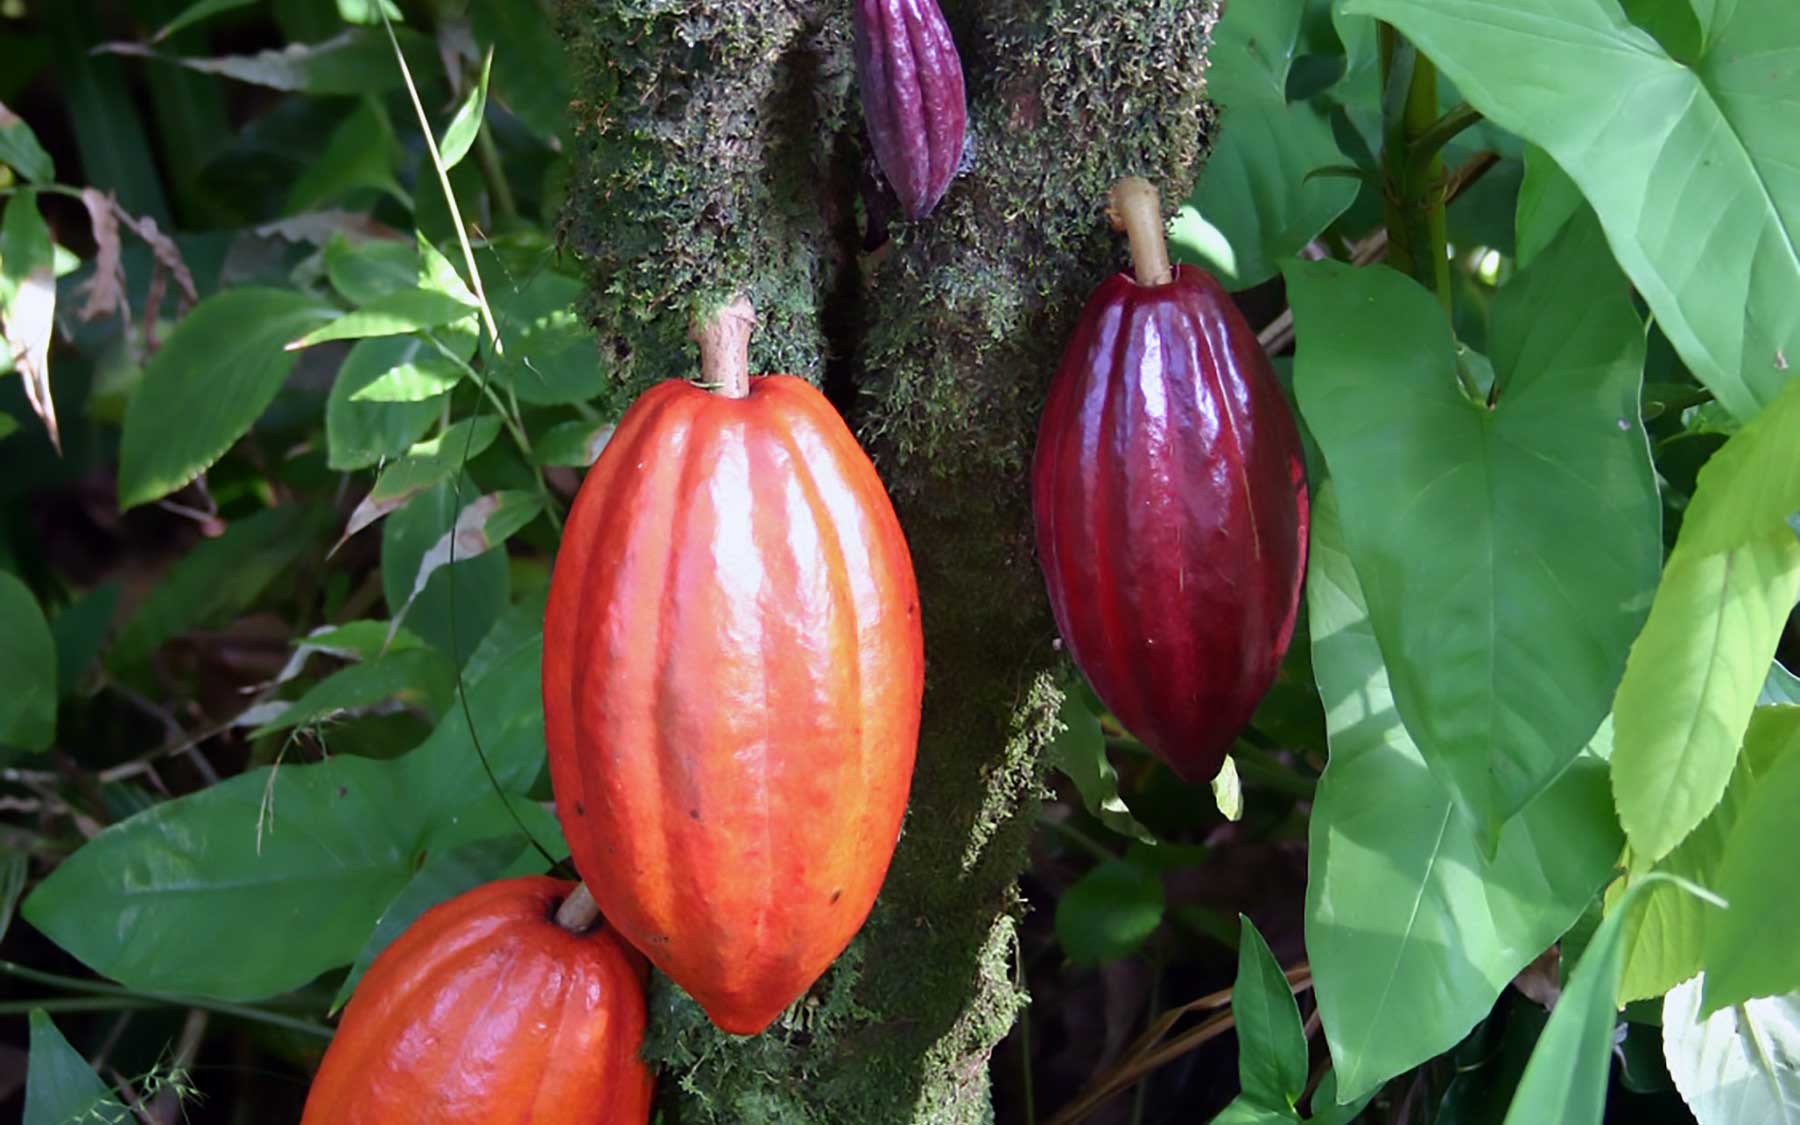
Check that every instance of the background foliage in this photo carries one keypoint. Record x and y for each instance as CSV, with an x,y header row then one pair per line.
x,y
273,274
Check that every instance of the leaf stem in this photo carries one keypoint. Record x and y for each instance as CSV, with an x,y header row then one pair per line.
x,y
118,997
1411,168
579,911
1135,208
724,340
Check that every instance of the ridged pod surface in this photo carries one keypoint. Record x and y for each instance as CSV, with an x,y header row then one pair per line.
x,y
1169,495
911,82
733,667
486,1012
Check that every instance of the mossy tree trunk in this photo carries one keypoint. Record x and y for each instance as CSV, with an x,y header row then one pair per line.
x,y
719,152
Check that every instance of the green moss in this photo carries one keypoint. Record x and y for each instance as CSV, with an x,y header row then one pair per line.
x,y
718,152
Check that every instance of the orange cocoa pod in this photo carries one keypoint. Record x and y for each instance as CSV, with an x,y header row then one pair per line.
x,y
487,1012
733,666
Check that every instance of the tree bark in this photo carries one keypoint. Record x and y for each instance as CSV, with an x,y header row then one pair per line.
x,y
719,152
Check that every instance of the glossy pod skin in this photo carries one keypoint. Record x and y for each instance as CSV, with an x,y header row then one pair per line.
x,y
486,1012
911,82
1170,502
733,667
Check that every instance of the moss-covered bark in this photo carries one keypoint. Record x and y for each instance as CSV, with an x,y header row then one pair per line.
x,y
718,153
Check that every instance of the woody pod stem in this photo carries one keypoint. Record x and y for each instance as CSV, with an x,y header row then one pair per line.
x,y
1135,208
724,341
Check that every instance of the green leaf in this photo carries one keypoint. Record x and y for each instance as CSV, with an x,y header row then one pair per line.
x,y
1649,138
459,135
1228,791
215,581
1781,686
20,150
1752,484
1548,199
194,13
1738,1065
1326,1108
1109,912
365,271
426,464
80,629
481,584
1508,553
531,73
28,301
359,434
1412,930
437,275
1692,682
550,356
443,877
1080,753
1665,939
27,668
60,1087
1271,1043
206,385
410,310
361,152
1244,1111
574,445
419,677
503,679
261,882
420,372
1748,951
1565,1081
1255,189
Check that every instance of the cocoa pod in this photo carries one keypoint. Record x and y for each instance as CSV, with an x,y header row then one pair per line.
x,y
1170,503
486,1010
911,82
733,667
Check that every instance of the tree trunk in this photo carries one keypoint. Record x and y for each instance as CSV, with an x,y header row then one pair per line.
x,y
718,152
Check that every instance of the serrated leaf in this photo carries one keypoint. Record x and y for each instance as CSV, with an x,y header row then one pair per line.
x,y
1692,683
460,603
409,310
460,134
420,372
485,524
27,668
1738,1065
1748,948
360,434
425,465
207,384
1413,931
1752,484
363,271
437,275
1508,552
1648,137
60,1087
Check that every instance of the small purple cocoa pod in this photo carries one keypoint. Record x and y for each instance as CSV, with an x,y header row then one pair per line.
x,y
912,97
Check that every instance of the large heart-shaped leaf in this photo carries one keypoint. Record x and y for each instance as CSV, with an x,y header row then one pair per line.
x,y
1411,928
1508,549
1689,163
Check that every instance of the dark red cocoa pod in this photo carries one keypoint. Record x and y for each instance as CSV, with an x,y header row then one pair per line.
x,y
1169,494
912,97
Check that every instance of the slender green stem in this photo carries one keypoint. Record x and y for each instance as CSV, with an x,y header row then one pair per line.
x,y
1411,185
78,1004
1442,131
